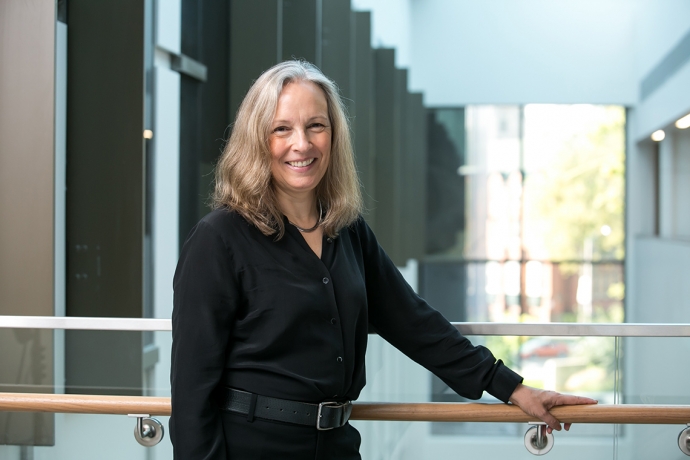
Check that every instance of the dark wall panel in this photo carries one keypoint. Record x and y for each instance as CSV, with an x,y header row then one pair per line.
x,y
301,37
414,178
336,45
204,105
106,182
254,44
402,186
363,114
105,156
387,163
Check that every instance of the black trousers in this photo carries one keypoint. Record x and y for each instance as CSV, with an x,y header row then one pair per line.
x,y
268,440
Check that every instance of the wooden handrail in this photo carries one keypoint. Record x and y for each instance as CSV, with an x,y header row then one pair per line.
x,y
83,404
416,412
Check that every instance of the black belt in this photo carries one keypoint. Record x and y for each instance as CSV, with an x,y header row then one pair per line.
x,y
323,416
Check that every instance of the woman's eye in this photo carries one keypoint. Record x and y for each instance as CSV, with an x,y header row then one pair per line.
x,y
281,129
317,126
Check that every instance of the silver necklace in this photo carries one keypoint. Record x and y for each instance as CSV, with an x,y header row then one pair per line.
x,y
316,225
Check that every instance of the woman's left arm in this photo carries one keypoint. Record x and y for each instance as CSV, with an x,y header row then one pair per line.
x,y
406,321
423,334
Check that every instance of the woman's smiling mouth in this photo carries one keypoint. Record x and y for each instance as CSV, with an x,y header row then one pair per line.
x,y
301,164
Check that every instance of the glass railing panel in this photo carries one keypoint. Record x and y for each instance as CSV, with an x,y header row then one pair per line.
x,y
27,364
86,437
655,371
576,365
93,362
85,361
572,365
629,370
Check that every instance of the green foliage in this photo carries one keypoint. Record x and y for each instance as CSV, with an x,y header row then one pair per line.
x,y
616,291
505,348
600,351
613,314
583,191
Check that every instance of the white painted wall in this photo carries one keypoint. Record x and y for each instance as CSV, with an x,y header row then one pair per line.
x,y
659,25
656,367
509,52
663,107
657,265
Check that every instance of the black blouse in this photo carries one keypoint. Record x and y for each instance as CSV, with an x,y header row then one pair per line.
x,y
271,318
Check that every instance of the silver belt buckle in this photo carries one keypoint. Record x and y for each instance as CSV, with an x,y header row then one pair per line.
x,y
333,404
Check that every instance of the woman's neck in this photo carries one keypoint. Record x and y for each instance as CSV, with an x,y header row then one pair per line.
x,y
300,209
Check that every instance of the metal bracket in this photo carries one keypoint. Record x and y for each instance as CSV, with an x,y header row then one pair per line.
x,y
684,441
537,440
188,66
148,431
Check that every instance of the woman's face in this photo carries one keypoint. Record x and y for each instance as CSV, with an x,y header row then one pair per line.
x,y
300,139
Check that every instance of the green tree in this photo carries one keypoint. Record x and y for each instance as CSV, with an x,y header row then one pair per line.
x,y
581,195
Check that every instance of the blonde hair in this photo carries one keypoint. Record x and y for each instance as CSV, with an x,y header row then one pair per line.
x,y
243,173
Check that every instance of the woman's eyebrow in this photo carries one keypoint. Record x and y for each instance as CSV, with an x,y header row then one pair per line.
x,y
315,117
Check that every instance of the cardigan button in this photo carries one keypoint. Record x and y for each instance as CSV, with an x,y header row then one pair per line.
x,y
329,239
333,321
339,359
325,281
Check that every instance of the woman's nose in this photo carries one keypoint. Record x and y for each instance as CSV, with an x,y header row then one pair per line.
x,y
301,140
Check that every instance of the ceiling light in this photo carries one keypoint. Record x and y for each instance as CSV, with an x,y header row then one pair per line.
x,y
683,122
659,135
148,134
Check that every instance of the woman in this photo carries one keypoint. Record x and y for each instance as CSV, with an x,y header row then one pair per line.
x,y
276,288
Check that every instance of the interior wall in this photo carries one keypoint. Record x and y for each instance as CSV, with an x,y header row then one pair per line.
x,y
656,190
659,25
27,34
27,233
507,52
529,51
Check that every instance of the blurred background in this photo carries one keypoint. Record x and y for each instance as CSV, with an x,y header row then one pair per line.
x,y
521,161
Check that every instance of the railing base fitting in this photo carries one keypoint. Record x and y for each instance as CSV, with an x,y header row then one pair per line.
x,y
537,440
148,431
684,441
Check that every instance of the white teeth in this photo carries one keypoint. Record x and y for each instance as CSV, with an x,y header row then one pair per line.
x,y
301,164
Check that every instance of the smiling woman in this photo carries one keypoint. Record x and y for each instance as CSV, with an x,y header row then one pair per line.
x,y
276,289
300,144
291,115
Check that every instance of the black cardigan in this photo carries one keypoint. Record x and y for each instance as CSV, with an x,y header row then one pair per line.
x,y
272,318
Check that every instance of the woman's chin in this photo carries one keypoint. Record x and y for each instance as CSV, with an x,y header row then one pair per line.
x,y
298,188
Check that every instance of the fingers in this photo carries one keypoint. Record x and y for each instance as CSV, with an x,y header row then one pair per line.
x,y
551,422
570,400
538,402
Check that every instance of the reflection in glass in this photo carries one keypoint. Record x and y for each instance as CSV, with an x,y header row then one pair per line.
x,y
26,365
